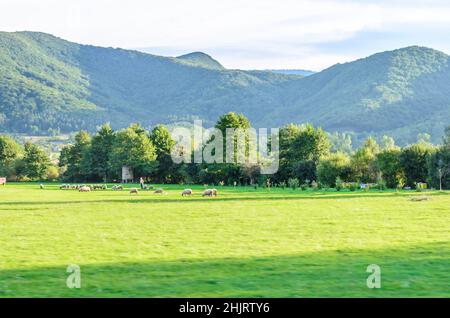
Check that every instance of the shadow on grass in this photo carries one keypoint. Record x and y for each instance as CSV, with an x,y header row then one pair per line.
x,y
259,197
417,271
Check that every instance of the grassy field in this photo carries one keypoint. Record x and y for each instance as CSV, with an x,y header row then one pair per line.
x,y
244,243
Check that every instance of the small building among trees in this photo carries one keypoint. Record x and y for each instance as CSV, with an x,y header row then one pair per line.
x,y
127,174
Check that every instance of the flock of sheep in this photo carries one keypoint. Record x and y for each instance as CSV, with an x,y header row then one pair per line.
x,y
89,188
187,192
79,187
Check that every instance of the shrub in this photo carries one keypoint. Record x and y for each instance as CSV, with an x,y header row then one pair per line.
x,y
282,185
353,186
332,166
293,183
305,185
420,186
339,185
400,182
52,173
381,184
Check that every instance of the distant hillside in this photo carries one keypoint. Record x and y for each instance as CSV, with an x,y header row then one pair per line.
x,y
48,84
293,72
402,93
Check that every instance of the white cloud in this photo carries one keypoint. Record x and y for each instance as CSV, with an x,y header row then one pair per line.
x,y
289,30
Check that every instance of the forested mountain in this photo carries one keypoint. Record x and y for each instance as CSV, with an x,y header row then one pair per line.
x,y
48,84
401,93
202,60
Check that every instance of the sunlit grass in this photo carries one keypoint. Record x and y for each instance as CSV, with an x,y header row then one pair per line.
x,y
246,242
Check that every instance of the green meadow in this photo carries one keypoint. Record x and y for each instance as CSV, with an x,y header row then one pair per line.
x,y
244,243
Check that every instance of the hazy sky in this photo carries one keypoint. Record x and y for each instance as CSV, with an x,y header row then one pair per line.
x,y
247,34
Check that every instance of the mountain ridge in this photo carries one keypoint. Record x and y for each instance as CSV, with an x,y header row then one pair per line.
x,y
47,84
299,72
201,59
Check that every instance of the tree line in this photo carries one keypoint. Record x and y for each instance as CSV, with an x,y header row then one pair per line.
x,y
306,158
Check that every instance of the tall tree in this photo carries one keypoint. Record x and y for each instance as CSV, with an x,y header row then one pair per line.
x,y
333,166
132,147
310,144
301,148
99,154
162,140
439,164
228,172
36,162
72,157
233,121
167,171
341,142
388,162
363,161
10,151
387,143
413,160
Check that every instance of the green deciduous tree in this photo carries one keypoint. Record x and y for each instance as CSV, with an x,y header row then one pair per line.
x,y
167,171
10,151
35,162
99,153
387,143
301,148
413,160
363,161
439,164
228,172
332,167
341,142
388,163
132,147
73,157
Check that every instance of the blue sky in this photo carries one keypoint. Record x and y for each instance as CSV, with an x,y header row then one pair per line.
x,y
246,34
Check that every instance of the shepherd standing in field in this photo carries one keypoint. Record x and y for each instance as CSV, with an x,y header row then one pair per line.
x,y
142,183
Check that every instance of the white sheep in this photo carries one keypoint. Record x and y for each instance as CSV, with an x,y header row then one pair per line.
x,y
208,193
84,189
187,192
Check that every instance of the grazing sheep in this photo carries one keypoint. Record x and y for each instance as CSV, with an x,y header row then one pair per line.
x,y
117,187
84,189
208,193
134,191
187,192
41,186
159,191
100,187
214,192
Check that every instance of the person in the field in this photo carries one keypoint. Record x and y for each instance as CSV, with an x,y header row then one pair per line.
x,y
142,183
